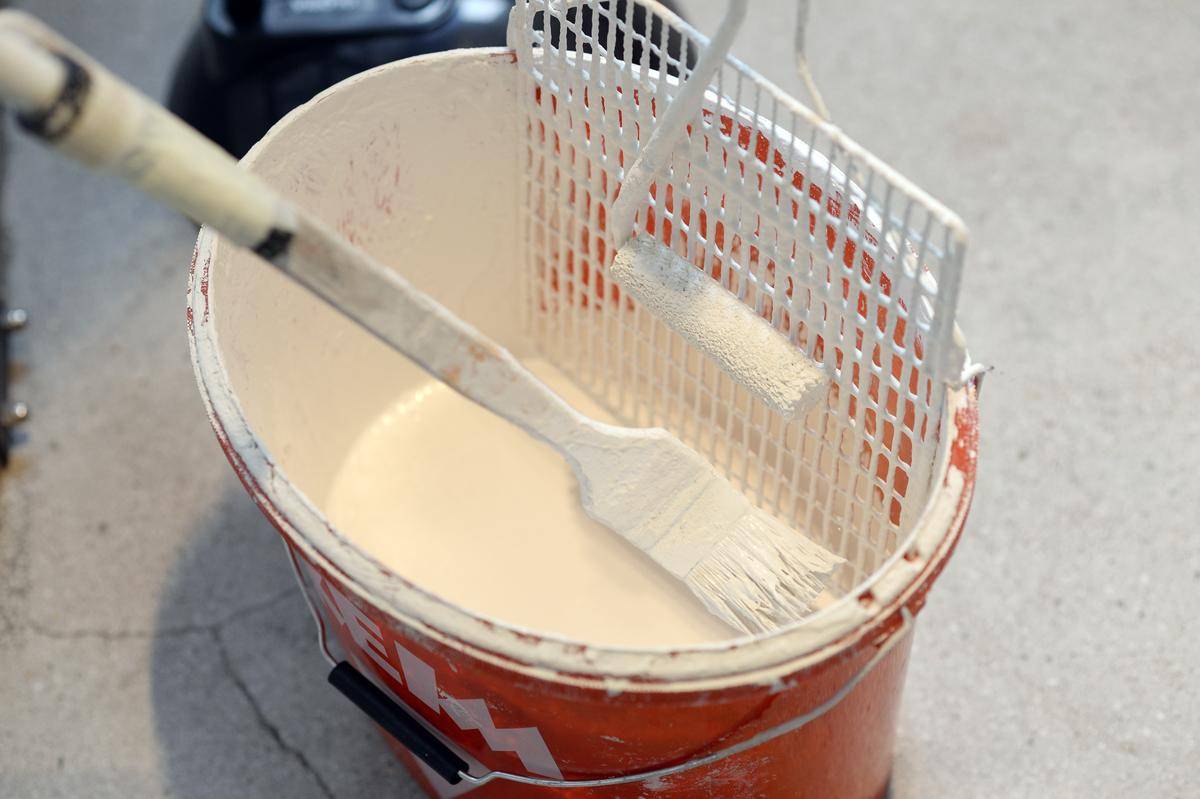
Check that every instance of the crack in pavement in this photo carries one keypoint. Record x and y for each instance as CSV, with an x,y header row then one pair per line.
x,y
260,716
213,629
47,631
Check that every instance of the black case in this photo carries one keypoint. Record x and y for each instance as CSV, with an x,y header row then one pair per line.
x,y
249,62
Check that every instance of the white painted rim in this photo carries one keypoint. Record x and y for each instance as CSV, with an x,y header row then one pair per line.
x,y
850,622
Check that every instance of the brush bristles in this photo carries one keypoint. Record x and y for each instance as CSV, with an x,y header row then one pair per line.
x,y
763,575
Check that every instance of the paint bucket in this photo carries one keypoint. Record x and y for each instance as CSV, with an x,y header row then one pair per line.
x,y
420,163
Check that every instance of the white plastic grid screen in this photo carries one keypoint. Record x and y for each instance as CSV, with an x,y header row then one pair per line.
x,y
852,263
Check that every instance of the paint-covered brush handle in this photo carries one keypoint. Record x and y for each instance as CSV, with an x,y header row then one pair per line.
x,y
80,108
668,132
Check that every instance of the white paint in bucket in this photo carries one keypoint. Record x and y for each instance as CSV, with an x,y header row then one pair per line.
x,y
478,511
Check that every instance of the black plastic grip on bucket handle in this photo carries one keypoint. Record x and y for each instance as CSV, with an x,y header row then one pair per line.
x,y
398,722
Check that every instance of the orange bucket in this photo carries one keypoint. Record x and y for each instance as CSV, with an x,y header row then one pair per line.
x,y
475,706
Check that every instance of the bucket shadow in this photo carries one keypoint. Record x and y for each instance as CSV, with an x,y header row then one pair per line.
x,y
241,706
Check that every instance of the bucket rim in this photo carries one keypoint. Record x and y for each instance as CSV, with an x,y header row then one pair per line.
x,y
854,621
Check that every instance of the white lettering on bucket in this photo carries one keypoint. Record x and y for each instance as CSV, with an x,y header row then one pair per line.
x,y
421,681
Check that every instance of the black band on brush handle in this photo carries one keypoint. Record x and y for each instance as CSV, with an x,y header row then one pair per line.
x,y
398,722
57,120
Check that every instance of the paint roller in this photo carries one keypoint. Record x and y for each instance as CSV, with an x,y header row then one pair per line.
x,y
743,344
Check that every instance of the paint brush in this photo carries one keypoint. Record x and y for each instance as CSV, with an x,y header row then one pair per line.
x,y
748,568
